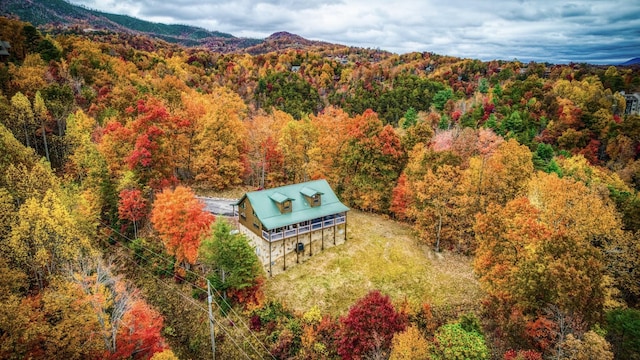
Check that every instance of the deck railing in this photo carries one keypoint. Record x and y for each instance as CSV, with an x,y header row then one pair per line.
x,y
303,229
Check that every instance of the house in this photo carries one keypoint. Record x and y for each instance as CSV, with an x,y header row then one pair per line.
x,y
301,218
4,48
633,103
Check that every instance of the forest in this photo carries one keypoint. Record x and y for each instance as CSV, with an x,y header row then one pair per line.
x,y
529,171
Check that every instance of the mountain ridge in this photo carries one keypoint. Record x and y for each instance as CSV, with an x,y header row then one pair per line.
x,y
61,15
634,61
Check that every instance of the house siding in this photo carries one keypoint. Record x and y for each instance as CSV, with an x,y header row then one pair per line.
x,y
249,219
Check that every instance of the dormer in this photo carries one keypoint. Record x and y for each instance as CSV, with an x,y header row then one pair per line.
x,y
282,201
313,196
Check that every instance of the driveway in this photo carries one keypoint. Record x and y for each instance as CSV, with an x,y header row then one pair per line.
x,y
218,206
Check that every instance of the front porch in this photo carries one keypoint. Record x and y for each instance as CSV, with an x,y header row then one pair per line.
x,y
304,227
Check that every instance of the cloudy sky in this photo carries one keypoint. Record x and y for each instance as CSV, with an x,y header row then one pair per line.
x,y
558,31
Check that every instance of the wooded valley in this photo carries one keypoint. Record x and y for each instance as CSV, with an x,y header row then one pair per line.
x,y
530,172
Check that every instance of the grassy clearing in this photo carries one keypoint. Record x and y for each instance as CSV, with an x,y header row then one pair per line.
x,y
379,254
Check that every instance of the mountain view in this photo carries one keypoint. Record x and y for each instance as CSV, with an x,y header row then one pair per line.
x,y
171,192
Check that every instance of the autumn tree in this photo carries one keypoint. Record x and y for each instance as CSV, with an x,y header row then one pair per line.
x,y
164,355
30,180
434,205
266,161
41,115
219,149
132,207
409,345
68,323
318,335
21,119
401,198
590,346
499,176
29,77
140,333
181,222
16,314
297,139
86,165
46,237
128,326
331,126
153,154
527,265
371,162
369,327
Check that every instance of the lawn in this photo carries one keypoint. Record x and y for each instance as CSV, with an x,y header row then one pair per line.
x,y
379,254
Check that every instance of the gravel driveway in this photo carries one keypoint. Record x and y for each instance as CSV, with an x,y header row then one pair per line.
x,y
218,206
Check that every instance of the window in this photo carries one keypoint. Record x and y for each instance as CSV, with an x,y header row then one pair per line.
x,y
316,199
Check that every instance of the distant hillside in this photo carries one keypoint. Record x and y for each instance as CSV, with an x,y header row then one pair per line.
x,y
634,61
60,14
283,40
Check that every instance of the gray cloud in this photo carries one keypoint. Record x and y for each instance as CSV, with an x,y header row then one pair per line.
x,y
540,30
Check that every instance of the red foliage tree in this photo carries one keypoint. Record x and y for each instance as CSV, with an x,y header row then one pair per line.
x,y
154,154
132,206
522,355
181,222
369,327
140,335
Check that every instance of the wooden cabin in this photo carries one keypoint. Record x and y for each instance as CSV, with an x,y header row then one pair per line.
x,y
300,218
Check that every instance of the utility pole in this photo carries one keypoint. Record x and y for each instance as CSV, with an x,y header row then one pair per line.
x,y
213,337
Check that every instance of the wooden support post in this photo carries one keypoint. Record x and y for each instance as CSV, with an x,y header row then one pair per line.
x,y
335,228
310,243
322,246
270,274
297,252
345,227
284,253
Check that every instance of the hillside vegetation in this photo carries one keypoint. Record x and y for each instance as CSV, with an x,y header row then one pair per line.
x,y
379,254
495,204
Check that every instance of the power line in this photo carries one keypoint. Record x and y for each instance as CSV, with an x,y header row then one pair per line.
x,y
192,301
222,298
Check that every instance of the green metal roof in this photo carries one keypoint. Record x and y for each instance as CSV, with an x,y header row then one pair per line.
x,y
267,211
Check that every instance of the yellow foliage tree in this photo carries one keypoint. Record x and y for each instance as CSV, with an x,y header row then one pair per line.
x,y
219,141
409,345
164,355
297,139
45,237
590,346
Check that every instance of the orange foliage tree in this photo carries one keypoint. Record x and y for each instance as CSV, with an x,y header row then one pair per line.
x,y
181,222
